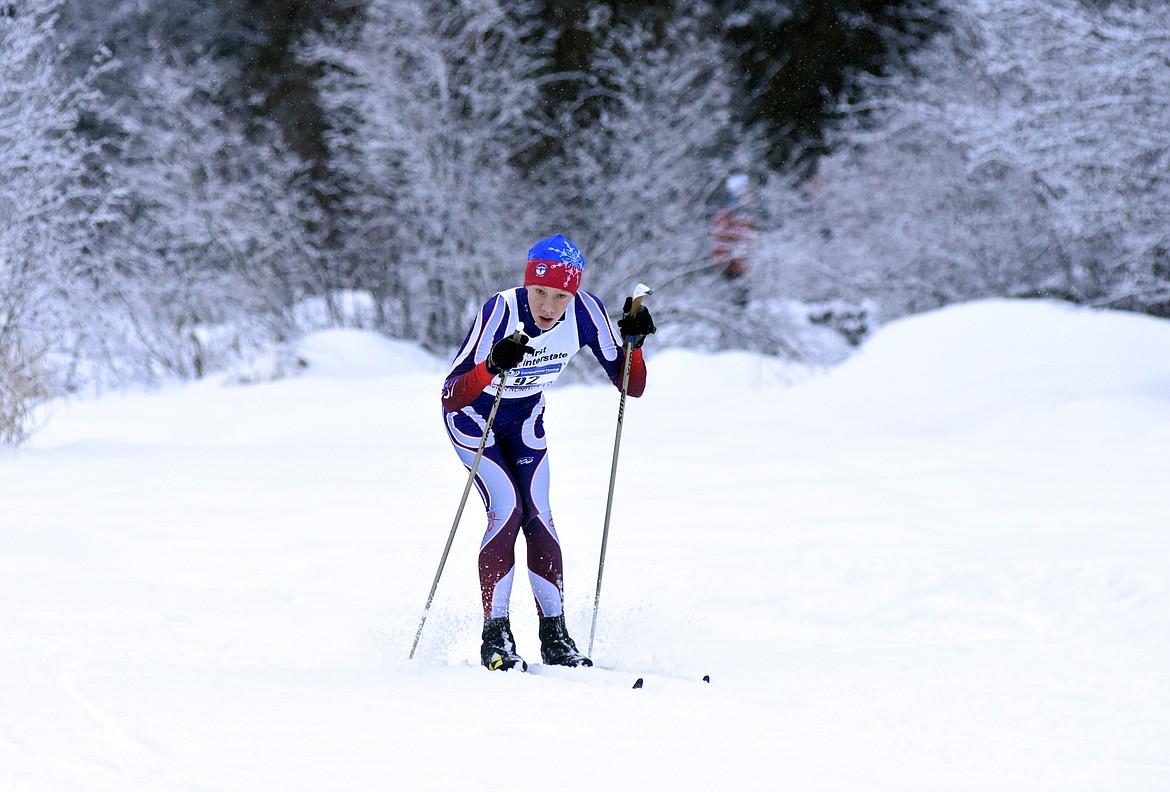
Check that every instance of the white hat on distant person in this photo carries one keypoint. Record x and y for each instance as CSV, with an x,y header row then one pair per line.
x,y
737,184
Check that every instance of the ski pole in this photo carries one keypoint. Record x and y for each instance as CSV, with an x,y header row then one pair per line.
x,y
641,291
459,513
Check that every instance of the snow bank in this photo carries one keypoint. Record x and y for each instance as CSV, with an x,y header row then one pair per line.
x,y
354,353
938,566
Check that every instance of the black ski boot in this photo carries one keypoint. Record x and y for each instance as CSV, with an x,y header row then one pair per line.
x,y
556,647
498,651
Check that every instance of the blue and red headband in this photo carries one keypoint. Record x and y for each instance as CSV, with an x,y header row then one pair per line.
x,y
556,263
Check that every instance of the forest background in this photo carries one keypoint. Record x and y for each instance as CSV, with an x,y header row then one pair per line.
x,y
188,187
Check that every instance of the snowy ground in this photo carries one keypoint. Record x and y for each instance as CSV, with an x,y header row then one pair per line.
x,y
943,565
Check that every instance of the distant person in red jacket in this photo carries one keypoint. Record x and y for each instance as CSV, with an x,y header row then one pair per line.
x,y
734,232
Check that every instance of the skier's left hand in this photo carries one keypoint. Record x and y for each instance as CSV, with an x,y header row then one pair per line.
x,y
636,326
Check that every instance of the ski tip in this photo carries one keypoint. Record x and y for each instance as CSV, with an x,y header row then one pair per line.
x,y
638,683
707,678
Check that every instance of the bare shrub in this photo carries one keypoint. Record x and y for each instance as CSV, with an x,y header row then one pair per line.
x,y
23,386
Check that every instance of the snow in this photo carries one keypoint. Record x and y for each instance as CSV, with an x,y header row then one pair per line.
x,y
941,565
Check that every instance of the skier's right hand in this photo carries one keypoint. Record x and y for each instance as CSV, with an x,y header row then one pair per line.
x,y
635,326
507,353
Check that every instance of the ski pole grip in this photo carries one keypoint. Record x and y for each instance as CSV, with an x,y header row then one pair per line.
x,y
641,291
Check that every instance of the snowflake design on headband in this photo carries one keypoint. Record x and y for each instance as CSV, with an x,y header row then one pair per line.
x,y
571,256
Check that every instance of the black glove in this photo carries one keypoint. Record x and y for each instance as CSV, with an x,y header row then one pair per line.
x,y
507,353
635,327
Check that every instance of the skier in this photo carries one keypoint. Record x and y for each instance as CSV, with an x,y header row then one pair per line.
x,y
734,232
530,332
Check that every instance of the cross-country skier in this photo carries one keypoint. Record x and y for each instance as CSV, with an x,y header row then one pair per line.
x,y
530,332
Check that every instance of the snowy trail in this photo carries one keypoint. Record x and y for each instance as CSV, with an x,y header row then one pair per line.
x,y
944,565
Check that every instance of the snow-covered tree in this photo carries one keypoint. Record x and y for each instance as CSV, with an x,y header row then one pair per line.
x,y
635,188
431,101
205,252
435,103
1030,157
43,206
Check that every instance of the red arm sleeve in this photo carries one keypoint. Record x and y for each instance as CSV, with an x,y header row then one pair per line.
x,y
458,392
637,384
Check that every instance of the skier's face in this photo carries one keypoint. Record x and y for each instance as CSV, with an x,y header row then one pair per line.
x,y
548,305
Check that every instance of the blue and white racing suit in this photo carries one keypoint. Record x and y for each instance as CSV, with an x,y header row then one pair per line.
x,y
513,475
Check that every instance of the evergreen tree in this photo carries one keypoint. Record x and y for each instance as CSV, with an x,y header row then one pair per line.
x,y
796,59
